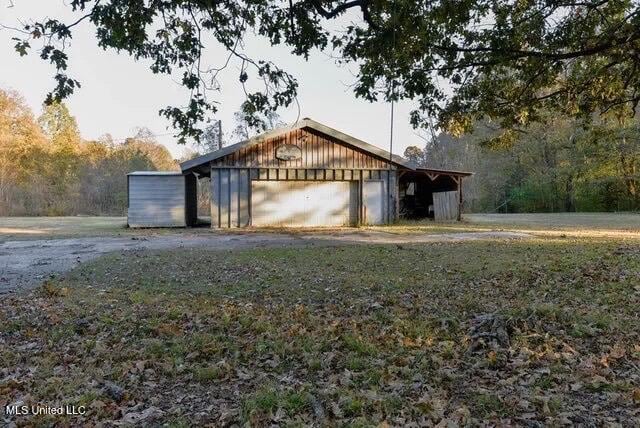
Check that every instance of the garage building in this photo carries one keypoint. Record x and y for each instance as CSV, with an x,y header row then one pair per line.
x,y
312,175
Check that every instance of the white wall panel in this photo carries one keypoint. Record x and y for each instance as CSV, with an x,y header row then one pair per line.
x,y
156,201
303,203
373,199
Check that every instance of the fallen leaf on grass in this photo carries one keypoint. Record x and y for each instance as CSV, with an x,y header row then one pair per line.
x,y
139,417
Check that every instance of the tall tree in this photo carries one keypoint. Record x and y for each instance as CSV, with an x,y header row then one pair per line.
x,y
59,125
612,156
47,169
415,155
212,138
62,166
559,165
106,164
22,149
507,60
242,124
152,155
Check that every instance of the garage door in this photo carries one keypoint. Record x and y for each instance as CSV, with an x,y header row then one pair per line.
x,y
303,203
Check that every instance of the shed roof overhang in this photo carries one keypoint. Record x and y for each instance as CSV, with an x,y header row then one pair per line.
x,y
444,172
156,173
434,173
201,163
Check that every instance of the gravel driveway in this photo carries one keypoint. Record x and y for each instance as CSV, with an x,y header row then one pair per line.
x,y
25,264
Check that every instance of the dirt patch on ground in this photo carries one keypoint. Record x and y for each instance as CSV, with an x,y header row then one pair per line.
x,y
25,264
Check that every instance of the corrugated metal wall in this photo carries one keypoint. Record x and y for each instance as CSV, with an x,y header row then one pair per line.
x,y
230,197
231,190
156,201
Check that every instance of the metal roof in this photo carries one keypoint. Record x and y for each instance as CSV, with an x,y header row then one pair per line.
x,y
155,173
445,171
304,123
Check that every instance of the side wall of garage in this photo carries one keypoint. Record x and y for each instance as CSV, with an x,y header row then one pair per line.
x,y
161,199
242,197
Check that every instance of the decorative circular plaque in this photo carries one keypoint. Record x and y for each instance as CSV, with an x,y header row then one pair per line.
x,y
288,152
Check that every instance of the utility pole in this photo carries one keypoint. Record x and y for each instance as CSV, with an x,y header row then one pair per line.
x,y
219,134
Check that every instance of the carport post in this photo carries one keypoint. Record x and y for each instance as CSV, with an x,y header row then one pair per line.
x,y
459,198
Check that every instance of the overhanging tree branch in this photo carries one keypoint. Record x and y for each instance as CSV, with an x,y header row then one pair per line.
x,y
489,51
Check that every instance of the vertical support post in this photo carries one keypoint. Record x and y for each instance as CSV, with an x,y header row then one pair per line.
x,y
387,203
128,199
190,199
249,198
228,202
361,199
459,198
392,203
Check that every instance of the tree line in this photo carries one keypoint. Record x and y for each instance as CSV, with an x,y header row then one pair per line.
x,y
46,168
555,165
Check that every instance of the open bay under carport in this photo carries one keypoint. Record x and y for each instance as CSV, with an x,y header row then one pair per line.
x,y
431,193
308,174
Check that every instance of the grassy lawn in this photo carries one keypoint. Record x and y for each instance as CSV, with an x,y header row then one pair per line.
x,y
55,227
573,224
579,225
541,331
30,228
585,221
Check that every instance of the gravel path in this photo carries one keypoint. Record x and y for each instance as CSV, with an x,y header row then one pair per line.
x,y
25,264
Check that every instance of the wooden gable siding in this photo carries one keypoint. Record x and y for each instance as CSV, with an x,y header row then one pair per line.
x,y
318,152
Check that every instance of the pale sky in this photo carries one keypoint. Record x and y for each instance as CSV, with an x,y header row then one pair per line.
x,y
119,94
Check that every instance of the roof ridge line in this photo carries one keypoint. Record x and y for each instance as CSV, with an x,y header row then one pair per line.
x,y
300,124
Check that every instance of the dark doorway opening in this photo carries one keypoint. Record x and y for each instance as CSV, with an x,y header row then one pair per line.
x,y
416,189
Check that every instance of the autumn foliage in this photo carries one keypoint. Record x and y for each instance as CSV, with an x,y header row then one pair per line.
x,y
46,168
